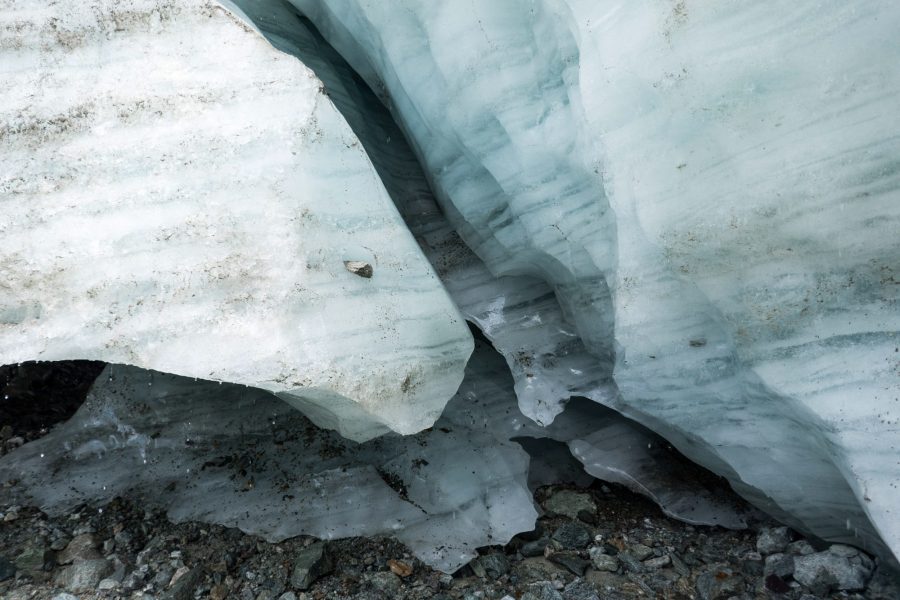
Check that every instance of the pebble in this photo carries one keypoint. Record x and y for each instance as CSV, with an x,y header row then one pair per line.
x,y
310,564
779,564
572,536
840,567
7,569
493,566
83,575
82,547
640,551
399,568
572,562
772,540
541,591
718,583
384,581
32,558
534,548
658,562
602,561
569,503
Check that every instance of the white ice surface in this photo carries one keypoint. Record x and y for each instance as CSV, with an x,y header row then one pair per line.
x,y
711,191
178,195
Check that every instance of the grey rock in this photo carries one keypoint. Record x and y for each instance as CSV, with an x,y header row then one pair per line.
x,y
630,563
640,551
658,562
569,503
7,569
534,548
384,581
800,548
542,590
363,269
838,568
309,565
59,544
580,590
572,536
184,586
288,596
64,596
494,566
83,575
572,562
773,540
537,569
32,558
681,568
718,583
779,564
82,546
107,584
603,561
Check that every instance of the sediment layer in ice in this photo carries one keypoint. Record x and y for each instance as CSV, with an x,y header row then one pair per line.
x,y
712,194
178,195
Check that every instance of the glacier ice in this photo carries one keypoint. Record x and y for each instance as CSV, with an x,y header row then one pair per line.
x,y
711,193
518,314
238,456
685,213
178,195
241,457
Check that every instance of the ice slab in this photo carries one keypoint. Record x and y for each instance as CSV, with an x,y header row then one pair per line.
x,y
178,195
712,194
241,457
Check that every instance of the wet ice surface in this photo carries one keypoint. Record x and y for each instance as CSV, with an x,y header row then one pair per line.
x,y
240,457
710,194
180,196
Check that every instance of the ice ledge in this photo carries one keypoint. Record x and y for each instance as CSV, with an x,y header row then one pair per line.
x,y
180,196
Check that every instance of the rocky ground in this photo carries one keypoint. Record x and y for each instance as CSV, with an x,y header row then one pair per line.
x,y
601,542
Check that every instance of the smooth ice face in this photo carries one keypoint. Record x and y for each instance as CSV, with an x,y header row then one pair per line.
x,y
519,314
179,195
712,194
238,456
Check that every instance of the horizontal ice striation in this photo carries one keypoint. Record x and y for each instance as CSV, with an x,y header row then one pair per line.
x,y
238,456
519,314
178,195
711,192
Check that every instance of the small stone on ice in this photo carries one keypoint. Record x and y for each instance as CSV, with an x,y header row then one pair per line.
x,y
363,269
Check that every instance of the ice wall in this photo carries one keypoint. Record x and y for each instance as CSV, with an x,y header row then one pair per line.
x,y
710,191
178,195
238,456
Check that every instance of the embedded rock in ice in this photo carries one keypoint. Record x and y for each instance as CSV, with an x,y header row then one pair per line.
x,y
712,194
238,456
180,196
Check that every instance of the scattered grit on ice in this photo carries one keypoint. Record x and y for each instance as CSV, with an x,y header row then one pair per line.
x,y
178,195
711,192
713,221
